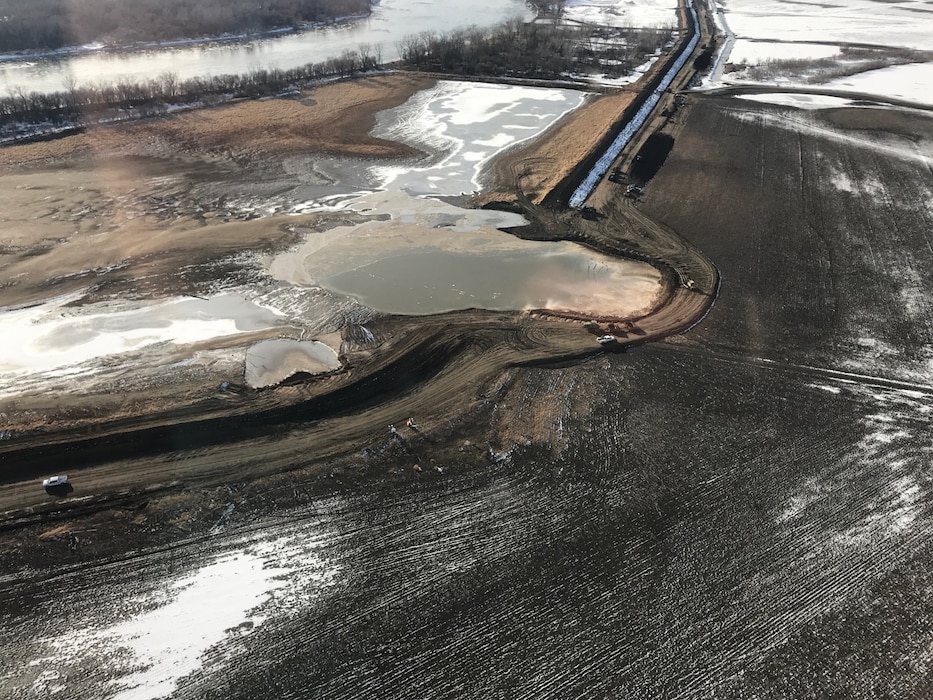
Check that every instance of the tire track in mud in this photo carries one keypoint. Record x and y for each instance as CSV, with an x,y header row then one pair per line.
x,y
807,370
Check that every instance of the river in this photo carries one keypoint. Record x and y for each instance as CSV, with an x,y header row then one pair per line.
x,y
391,21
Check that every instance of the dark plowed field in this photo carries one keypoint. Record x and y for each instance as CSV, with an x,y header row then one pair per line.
x,y
821,225
741,512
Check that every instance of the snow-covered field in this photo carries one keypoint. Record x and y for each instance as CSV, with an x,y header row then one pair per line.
x,y
906,24
787,43
912,81
623,13
755,52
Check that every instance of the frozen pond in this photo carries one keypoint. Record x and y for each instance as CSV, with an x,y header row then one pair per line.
x,y
391,21
464,125
55,338
430,257
272,361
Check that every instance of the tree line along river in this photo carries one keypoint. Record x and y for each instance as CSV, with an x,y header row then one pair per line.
x,y
390,22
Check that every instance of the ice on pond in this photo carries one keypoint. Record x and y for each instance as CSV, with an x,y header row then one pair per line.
x,y
53,335
270,362
463,126
430,257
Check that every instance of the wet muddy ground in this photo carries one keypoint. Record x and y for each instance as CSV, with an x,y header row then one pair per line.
x,y
658,538
740,511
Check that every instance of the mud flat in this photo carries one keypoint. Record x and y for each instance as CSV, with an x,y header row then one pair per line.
x,y
740,511
176,207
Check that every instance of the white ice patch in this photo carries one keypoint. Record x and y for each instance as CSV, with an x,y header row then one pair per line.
x,y
465,125
800,101
912,82
622,13
53,337
867,186
826,387
193,623
757,52
270,362
205,606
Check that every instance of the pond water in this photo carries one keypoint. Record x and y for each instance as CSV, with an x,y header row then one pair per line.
x,y
559,277
424,256
390,22
420,255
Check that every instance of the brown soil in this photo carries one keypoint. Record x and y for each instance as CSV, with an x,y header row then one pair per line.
x,y
539,167
93,200
332,118
124,195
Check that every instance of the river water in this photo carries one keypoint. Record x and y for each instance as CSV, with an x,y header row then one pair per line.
x,y
390,22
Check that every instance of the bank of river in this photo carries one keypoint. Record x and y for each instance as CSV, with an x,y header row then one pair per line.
x,y
390,22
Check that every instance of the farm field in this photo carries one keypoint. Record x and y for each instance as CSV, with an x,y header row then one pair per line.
x,y
821,226
487,503
663,523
